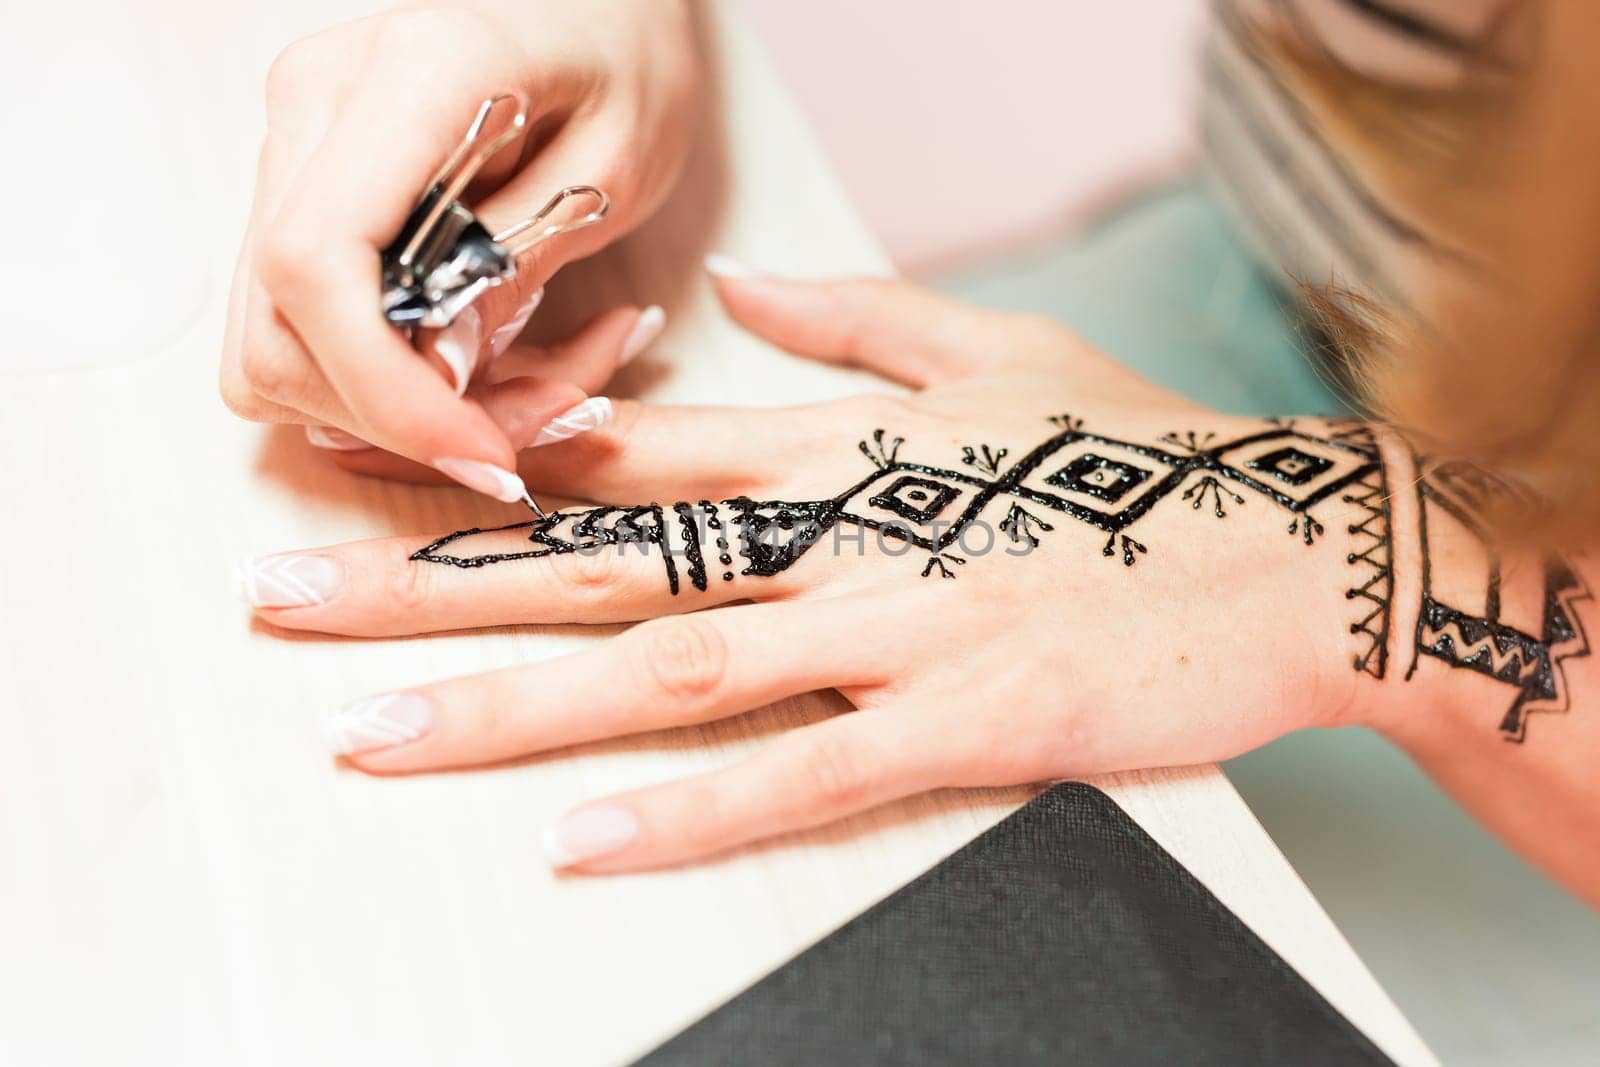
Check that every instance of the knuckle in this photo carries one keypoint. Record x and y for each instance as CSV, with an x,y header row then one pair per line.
x,y
876,289
612,441
271,372
589,573
496,722
859,306
710,828
896,409
288,257
849,327
407,587
685,659
882,409
1045,335
238,395
624,424
831,774
290,71
269,159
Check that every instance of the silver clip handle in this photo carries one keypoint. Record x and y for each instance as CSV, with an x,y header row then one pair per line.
x,y
536,229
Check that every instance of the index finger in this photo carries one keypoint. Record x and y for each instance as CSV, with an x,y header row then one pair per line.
x,y
398,400
321,260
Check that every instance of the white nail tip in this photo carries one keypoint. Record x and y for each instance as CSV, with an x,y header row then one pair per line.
x,y
457,345
333,439
652,320
484,478
555,853
501,339
376,723
581,418
727,267
286,581
589,833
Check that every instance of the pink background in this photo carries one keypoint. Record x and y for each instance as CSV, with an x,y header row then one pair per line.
x,y
966,129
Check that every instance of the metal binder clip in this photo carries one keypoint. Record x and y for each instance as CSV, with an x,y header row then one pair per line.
x,y
443,257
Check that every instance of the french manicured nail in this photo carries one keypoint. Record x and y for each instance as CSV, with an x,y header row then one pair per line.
x,y
596,411
501,339
589,833
652,320
377,722
727,267
288,581
457,345
334,439
484,478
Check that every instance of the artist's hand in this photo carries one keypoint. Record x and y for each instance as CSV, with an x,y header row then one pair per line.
x,y
358,118
1129,593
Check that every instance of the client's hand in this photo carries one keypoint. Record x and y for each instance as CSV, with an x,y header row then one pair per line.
x,y
1037,566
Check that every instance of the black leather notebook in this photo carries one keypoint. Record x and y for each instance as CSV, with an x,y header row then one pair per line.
x,y
1062,935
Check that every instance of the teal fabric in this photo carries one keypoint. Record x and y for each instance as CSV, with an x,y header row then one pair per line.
x,y
1166,287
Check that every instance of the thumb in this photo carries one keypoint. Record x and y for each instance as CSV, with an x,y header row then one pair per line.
x,y
900,330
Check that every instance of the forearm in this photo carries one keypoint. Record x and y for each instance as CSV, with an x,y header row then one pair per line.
x,y
1490,685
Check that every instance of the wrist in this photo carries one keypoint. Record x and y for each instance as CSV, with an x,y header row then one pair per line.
x,y
1381,699
1482,636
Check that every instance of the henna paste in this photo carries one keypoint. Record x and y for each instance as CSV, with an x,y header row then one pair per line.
x,y
1104,482
1524,645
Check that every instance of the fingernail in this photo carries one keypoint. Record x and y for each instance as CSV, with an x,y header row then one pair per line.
x,y
596,411
501,339
287,581
377,722
457,345
334,439
484,478
589,833
652,320
727,267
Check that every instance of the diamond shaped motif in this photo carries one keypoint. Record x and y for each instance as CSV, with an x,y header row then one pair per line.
x,y
1290,465
1099,477
917,500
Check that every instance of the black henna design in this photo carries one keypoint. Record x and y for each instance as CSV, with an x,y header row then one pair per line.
x,y
1020,523
880,455
1111,484
1371,495
1129,545
1104,482
1209,483
1485,627
985,459
691,544
1188,440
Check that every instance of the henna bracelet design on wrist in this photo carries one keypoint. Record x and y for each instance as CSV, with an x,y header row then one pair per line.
x,y
1517,628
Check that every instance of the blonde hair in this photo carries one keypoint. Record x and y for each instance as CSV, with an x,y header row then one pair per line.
x,y
1502,368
